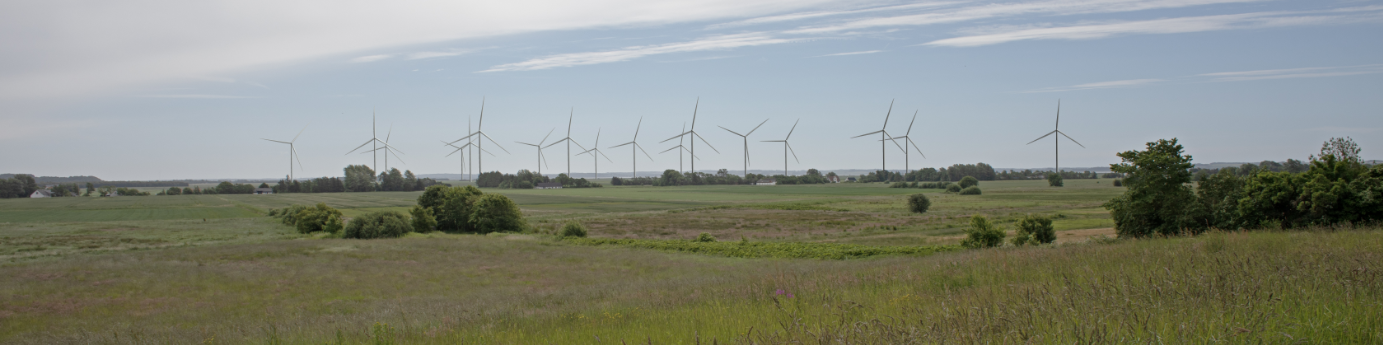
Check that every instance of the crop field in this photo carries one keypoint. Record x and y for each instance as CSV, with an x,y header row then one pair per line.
x,y
838,263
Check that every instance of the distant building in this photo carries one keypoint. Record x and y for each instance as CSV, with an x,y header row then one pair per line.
x,y
851,179
41,193
264,191
833,179
549,185
766,182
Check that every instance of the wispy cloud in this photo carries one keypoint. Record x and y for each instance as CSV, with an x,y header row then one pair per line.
x,y
437,54
1168,26
199,96
1234,76
853,53
372,58
635,52
988,10
1099,85
823,14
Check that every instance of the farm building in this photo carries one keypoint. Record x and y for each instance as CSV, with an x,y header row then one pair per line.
x,y
833,179
549,185
264,191
766,182
41,193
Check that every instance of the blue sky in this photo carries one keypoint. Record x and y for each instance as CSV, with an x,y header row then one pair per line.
x,y
151,90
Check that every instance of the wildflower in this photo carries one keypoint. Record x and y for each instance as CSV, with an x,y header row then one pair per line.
x,y
789,295
780,292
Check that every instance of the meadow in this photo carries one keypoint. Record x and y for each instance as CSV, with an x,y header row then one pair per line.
x,y
212,269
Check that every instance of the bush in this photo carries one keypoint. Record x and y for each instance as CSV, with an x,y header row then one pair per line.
x,y
982,234
704,237
969,181
1118,182
898,185
971,190
496,213
454,211
1054,180
952,188
378,224
319,218
573,229
918,203
1035,230
289,214
423,221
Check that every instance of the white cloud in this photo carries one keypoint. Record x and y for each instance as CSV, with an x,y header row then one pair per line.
x,y
196,96
1100,85
371,58
1294,73
823,14
854,53
990,10
429,55
635,52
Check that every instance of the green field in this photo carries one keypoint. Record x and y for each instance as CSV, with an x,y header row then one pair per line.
x,y
213,269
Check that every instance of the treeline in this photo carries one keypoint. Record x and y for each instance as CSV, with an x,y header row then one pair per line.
x,y
359,178
1038,175
1335,189
723,177
145,184
526,179
1246,169
18,186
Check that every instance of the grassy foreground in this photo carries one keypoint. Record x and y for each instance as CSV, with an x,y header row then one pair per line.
x,y
1276,287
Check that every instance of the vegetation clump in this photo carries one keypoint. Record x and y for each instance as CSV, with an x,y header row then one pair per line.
x,y
422,219
496,213
1055,180
1034,230
319,218
704,237
378,224
971,190
952,188
969,181
573,229
919,203
789,250
982,234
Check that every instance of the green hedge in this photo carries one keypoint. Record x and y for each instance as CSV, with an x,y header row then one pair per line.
x,y
745,249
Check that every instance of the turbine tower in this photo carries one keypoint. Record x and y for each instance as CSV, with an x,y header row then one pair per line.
x,y
745,136
374,143
787,148
542,161
292,153
569,141
479,134
595,154
1058,139
388,148
635,154
883,136
907,168
679,149
694,136
467,147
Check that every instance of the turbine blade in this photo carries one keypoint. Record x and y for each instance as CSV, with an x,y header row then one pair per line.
x,y
454,151
703,140
914,120
549,133
761,124
624,144
1042,137
694,109
486,151
527,144
674,137
400,160
1058,113
645,153
300,133
874,132
919,149
895,143
890,113
773,141
794,152
390,134
673,148
295,156
501,147
636,129
602,154
281,142
794,127
1072,140
543,157
728,130
367,142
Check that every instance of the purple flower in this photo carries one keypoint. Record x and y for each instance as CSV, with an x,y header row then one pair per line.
x,y
789,295
780,292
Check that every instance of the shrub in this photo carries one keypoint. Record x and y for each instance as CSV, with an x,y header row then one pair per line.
x,y
423,221
1035,230
704,237
523,185
913,185
971,190
969,181
378,224
496,213
1119,182
982,234
573,229
289,214
453,213
898,185
1054,180
319,218
919,203
952,188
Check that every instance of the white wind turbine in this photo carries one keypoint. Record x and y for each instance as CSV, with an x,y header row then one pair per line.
x,y
569,141
596,154
634,159
680,148
477,135
1057,130
694,137
374,143
883,136
745,136
292,152
387,149
542,160
787,148
907,169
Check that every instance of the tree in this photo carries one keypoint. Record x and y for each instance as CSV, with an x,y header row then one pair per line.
x,y
969,181
89,188
1055,180
359,178
982,234
918,203
1157,199
1034,229
1294,166
454,214
318,218
496,213
1344,150
423,221
378,224
1217,200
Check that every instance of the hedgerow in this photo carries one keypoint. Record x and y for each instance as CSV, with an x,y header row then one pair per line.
x,y
786,250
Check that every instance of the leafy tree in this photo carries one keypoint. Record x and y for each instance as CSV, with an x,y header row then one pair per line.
x,y
1034,230
496,213
982,234
573,229
1157,199
1055,180
378,224
454,214
1217,200
173,191
1344,150
969,181
359,178
1295,166
952,188
318,218
89,188
423,221
918,203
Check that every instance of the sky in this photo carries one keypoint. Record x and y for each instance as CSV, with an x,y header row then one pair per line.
x,y
145,90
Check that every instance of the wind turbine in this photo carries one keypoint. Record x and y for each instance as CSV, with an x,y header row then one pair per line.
x,y
292,153
374,143
746,144
908,141
1058,139
542,161
462,147
595,154
388,148
883,136
569,141
679,152
787,148
477,135
694,136
635,154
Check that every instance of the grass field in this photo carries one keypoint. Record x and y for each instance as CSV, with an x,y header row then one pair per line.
x,y
212,269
